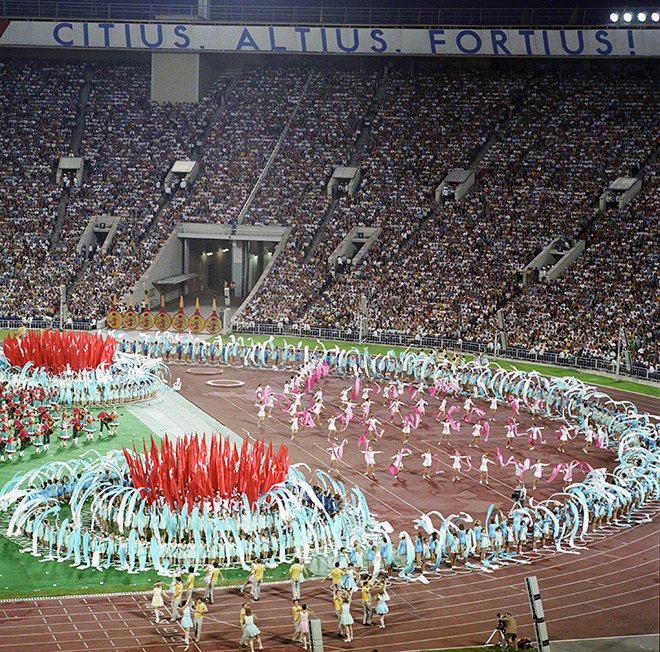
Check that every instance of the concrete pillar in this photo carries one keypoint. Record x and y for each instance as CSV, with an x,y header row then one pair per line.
x,y
238,257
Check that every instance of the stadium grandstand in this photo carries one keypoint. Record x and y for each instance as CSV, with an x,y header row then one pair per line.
x,y
464,183
479,207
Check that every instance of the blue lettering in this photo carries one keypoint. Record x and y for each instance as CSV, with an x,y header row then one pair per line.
x,y
601,37
86,35
58,29
273,47
127,31
353,47
159,34
631,42
180,31
474,35
527,35
106,27
246,40
498,37
303,31
546,42
376,35
435,41
324,40
580,47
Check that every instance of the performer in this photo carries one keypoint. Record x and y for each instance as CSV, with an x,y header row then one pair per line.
x,y
251,630
64,429
295,425
483,469
261,415
177,595
493,408
332,427
186,622
476,435
456,466
427,461
258,570
335,575
397,466
538,471
446,430
534,434
336,453
511,430
405,429
370,460
296,572
89,426
212,574
304,625
200,610
157,600
345,619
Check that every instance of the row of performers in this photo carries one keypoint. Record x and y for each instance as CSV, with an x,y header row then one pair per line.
x,y
221,540
37,426
89,387
503,535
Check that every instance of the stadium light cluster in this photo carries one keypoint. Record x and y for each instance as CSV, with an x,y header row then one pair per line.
x,y
630,16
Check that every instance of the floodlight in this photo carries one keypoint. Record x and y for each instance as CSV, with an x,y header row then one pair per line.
x,y
614,17
627,17
641,17
655,17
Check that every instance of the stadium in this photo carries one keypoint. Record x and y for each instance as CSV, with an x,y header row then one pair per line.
x,y
381,212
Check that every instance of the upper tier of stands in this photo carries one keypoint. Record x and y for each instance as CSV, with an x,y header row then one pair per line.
x,y
544,145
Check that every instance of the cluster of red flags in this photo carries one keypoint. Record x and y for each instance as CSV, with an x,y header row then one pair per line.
x,y
60,351
190,471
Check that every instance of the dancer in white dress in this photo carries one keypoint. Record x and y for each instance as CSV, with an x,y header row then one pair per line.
x,y
456,467
345,618
251,630
538,471
157,601
427,461
563,438
483,469
186,622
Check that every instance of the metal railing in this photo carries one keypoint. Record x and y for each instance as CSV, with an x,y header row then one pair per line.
x,y
302,15
48,322
355,336
582,363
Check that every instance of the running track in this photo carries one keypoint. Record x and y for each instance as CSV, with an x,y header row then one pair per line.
x,y
607,589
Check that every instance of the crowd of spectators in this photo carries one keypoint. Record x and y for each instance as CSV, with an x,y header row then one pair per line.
x,y
321,136
614,284
559,148
129,146
417,134
38,108
420,134
253,114
557,139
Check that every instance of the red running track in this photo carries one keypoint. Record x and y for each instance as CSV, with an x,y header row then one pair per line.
x,y
607,588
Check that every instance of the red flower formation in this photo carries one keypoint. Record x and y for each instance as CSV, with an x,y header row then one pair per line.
x,y
59,351
190,471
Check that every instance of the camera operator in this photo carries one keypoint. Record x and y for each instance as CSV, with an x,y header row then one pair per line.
x,y
507,624
519,495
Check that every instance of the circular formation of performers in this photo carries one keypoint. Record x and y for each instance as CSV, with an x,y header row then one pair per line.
x,y
112,524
